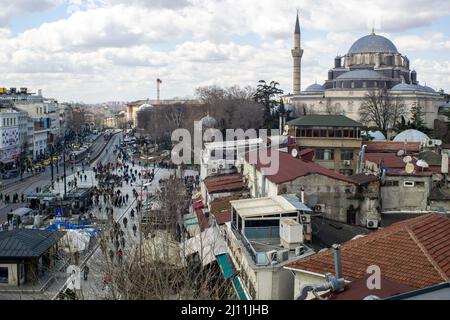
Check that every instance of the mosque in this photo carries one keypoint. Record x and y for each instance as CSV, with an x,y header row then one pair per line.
x,y
372,62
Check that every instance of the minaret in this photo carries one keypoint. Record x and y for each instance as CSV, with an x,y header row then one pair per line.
x,y
297,54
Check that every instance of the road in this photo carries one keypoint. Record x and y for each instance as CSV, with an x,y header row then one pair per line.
x,y
29,184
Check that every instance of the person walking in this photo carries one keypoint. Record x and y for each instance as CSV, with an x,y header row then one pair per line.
x,y
85,273
125,222
134,230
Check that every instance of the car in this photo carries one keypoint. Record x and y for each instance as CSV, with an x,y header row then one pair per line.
x,y
10,174
46,162
37,167
56,158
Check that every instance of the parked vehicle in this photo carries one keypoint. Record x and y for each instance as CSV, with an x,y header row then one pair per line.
x,y
10,174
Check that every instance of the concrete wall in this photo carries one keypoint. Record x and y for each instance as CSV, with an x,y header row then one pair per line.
x,y
324,190
399,197
303,279
12,274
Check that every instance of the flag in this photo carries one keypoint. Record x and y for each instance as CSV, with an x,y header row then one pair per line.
x,y
158,80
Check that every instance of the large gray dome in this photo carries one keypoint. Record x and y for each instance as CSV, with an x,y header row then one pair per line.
x,y
361,74
411,135
373,43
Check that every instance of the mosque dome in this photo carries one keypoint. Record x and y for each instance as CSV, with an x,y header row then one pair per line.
x,y
361,74
208,121
315,88
373,43
411,135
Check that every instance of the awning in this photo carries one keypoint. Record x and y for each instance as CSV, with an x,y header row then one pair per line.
x,y
237,284
226,266
229,272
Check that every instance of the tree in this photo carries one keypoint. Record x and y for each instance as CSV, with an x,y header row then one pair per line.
x,y
381,110
267,95
415,122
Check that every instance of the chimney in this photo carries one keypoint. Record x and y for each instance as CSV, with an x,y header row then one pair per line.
x,y
303,195
337,261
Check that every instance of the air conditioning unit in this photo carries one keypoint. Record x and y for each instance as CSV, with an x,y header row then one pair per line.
x,y
372,224
221,166
282,256
319,208
300,250
214,170
305,218
272,256
347,163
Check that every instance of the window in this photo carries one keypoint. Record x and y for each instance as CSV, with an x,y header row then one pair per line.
x,y
346,133
4,275
338,133
316,133
420,184
391,183
308,133
324,154
347,172
324,133
364,84
408,184
331,133
346,154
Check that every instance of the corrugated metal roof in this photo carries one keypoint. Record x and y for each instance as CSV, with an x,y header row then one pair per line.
x,y
25,243
265,206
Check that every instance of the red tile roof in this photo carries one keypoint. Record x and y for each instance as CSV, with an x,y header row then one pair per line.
x,y
391,146
414,252
292,168
357,290
396,167
225,183
223,217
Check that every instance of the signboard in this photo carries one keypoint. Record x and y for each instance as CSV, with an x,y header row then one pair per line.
x,y
9,138
59,212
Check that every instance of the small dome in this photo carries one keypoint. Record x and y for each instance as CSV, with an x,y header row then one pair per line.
x,y
411,135
315,88
377,135
373,44
146,107
412,87
208,121
361,74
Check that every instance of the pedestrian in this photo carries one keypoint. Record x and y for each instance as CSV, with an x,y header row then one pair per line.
x,y
85,273
120,255
132,214
134,230
125,222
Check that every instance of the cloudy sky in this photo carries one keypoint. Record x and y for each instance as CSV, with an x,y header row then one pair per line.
x,y
114,50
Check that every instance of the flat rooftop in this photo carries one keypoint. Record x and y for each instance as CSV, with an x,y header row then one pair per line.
x,y
248,208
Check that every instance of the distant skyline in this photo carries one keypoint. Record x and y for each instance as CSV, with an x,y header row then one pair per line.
x,y
114,50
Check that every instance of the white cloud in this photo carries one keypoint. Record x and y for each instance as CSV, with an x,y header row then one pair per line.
x,y
112,44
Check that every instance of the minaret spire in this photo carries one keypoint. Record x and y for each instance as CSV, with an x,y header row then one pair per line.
x,y
297,54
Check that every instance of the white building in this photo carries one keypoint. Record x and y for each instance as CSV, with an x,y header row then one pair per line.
x,y
259,246
372,63
226,156
9,136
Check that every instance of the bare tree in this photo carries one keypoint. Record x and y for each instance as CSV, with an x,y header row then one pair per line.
x,y
381,110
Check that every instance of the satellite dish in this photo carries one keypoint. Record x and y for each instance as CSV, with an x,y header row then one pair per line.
x,y
422,164
409,168
294,153
401,153
407,159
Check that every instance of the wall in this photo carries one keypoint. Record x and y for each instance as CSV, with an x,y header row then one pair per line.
x,y
324,190
302,279
12,274
395,198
